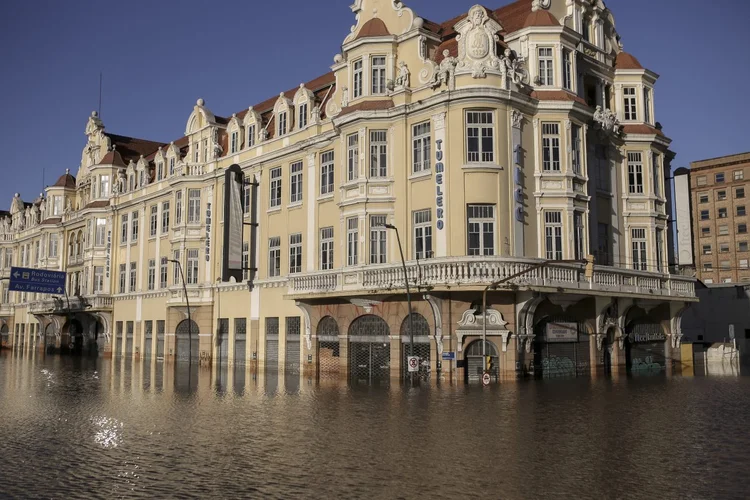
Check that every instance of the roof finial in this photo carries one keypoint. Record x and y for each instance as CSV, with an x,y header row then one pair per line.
x,y
67,171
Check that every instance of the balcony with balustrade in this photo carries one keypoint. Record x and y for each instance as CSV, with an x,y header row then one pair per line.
x,y
59,304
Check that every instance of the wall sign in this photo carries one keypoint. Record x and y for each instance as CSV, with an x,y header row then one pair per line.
x,y
109,253
208,231
439,196
562,332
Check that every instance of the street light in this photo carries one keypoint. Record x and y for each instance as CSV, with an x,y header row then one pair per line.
x,y
187,303
408,292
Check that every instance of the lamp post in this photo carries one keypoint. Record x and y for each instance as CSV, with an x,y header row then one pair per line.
x,y
187,303
408,292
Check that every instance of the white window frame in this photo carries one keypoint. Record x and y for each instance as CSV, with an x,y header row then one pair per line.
x,y
295,182
629,104
546,66
647,104
134,227
377,73
246,192
302,116
164,218
551,147
567,62
176,276
352,157
250,136
579,239
352,241
178,207
481,220
638,245
378,153
421,147
192,266
422,223
326,248
154,221
275,187
100,233
234,142
357,78
98,279
194,206
480,131
274,256
635,172
245,261
283,125
124,229
151,282
327,172
295,253
133,282
576,157
378,239
163,272
553,240
123,278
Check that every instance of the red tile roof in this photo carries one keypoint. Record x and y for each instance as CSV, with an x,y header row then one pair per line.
x,y
131,148
98,204
113,158
556,95
368,106
513,16
66,181
52,220
373,27
642,129
627,61
541,17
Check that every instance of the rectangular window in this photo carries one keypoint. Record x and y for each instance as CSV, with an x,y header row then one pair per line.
x,y
134,227
659,244
295,183
234,142
250,136
647,104
352,241
159,171
722,213
739,175
741,228
723,230
378,238
282,123
100,237
705,215
123,273
567,69
326,173
741,211
302,120
656,159
326,248
700,181
553,235
702,197
707,266
725,264
295,253
578,235
53,243
171,166
551,147
275,187
178,208
154,222
742,246
739,193
165,217
124,226
635,173
546,72
724,248
575,148
707,250
194,206
719,178
57,205
423,234
352,156
104,186
245,261
205,150
629,103
192,266
721,195
98,279
421,147
378,153
638,237
163,272
151,274
480,136
743,264
274,256
378,75
357,79
481,224
246,199
133,276
176,275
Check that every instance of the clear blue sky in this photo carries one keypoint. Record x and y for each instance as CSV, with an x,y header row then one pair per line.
x,y
158,57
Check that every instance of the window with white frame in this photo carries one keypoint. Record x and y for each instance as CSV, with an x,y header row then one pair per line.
x,y
134,227
378,75
133,276
171,166
98,279
104,186
295,183
100,236
163,272
743,246
553,243
326,173
739,193
352,241
274,256
481,224
302,118
638,244
57,205
154,220
707,250
275,187
205,149
151,274
123,272
567,59
480,132
178,208
723,230
421,147
53,244
176,275
378,153
246,199
575,148
578,236
357,79
326,248
647,104
295,253
723,247
250,136
422,234
192,266
352,172
551,147
378,239
124,229
165,218
196,152
245,261
159,170
194,206
234,142
739,175
282,128
546,71
629,101
635,173
657,174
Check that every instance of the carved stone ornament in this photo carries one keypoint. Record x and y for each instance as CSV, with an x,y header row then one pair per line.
x,y
94,124
515,69
216,147
540,4
477,44
365,304
402,80
445,73
516,117
472,323
344,97
607,120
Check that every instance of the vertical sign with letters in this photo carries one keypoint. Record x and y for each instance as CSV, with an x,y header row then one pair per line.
x,y
441,203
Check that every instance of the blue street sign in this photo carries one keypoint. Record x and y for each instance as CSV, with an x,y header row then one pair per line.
x,y
24,279
449,355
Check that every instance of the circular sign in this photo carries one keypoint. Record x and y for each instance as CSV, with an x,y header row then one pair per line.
x,y
413,362
486,379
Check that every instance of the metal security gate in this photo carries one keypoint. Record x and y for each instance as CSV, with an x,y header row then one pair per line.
x,y
186,349
272,344
293,353
223,339
129,338
240,341
160,328
561,348
646,348
369,350
4,335
421,343
328,347
148,339
473,356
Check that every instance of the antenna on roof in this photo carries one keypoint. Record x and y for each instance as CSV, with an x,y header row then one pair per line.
x,y
100,95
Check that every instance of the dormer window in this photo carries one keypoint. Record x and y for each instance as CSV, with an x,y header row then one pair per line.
x,y
159,171
235,142
142,181
567,69
357,79
131,182
586,29
378,75
104,186
282,123
251,136
302,122
171,166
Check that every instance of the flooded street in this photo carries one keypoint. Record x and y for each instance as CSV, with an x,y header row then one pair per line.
x,y
83,428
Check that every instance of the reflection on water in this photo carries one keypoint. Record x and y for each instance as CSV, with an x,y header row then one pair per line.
x,y
77,428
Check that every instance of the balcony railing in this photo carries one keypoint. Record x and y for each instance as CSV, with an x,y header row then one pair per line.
x,y
6,309
481,271
61,304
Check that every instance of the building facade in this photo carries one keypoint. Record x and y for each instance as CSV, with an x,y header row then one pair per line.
x,y
718,218
497,142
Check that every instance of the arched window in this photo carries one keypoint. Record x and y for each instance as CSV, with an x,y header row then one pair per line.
x,y
421,327
369,326
327,327
283,112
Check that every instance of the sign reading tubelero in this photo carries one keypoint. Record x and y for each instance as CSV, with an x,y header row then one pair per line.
x,y
23,279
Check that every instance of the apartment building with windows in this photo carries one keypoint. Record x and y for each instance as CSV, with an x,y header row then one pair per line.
x,y
493,142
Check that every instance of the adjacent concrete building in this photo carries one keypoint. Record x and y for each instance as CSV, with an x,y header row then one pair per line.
x,y
494,142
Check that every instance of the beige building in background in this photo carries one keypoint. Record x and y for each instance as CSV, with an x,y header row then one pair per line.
x,y
492,142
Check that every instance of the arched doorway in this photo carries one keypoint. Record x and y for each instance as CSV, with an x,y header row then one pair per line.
x,y
327,333
50,337
421,341
369,350
75,337
186,337
474,363
645,348
605,354
4,335
561,347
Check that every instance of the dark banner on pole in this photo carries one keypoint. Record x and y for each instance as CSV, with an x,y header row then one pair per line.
x,y
234,182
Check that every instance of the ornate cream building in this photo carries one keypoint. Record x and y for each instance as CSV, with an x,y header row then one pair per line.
x,y
492,142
